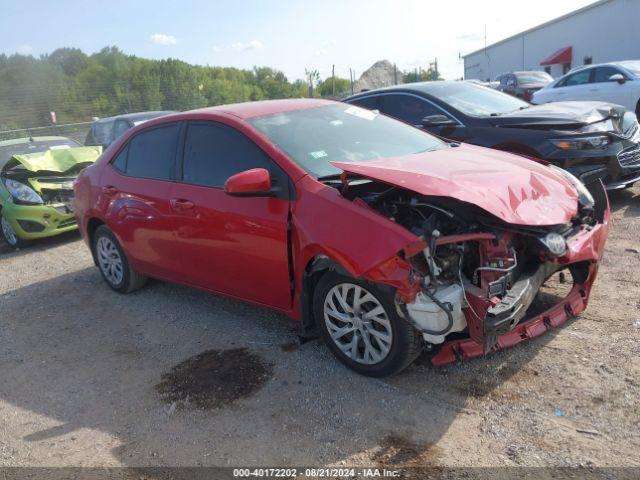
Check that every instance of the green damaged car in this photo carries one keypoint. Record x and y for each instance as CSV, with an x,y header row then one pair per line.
x,y
36,186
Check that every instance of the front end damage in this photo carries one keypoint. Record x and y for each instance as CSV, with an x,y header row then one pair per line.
x,y
471,283
38,190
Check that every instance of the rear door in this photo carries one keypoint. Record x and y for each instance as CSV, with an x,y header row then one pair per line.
x,y
233,245
606,90
136,188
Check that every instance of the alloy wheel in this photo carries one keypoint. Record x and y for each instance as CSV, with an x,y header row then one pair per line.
x,y
8,232
358,323
110,261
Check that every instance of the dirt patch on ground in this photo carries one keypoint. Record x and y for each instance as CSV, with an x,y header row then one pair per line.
x,y
398,451
214,378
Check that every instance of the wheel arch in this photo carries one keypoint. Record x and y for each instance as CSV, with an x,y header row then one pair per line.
x,y
315,268
92,226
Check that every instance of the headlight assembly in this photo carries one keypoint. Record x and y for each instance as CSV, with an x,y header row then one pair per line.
x,y
555,244
22,193
584,196
582,143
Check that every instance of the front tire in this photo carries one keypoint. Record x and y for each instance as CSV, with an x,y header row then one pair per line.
x,y
113,263
361,327
9,234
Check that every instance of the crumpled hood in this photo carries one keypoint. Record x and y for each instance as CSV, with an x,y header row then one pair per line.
x,y
559,114
510,187
57,160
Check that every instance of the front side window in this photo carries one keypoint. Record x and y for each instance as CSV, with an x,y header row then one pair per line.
x,y
151,153
602,74
314,137
213,152
408,108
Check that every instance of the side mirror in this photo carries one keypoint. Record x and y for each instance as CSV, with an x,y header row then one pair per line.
x,y
437,121
617,77
250,183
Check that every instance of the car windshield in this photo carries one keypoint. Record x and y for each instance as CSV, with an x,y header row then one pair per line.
x,y
475,100
533,77
316,136
633,67
33,147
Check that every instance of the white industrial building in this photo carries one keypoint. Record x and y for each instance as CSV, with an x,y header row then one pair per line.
x,y
604,31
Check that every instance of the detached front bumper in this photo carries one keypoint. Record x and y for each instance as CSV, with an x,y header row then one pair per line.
x,y
31,222
496,327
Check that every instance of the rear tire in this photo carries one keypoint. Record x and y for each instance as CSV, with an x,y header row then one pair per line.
x,y
113,263
361,327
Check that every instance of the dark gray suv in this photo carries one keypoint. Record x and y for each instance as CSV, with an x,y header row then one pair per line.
x,y
105,130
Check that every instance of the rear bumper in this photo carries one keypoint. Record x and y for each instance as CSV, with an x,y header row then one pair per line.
x,y
31,222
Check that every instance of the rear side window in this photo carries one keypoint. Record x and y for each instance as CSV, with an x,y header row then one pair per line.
x,y
213,152
151,153
579,78
408,108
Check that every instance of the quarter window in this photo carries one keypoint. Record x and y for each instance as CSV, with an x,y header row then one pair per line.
x,y
120,162
370,103
152,153
213,152
408,108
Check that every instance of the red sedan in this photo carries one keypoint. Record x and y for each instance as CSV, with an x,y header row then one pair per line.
x,y
370,232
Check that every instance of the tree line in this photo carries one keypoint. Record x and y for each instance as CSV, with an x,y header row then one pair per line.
x,y
78,87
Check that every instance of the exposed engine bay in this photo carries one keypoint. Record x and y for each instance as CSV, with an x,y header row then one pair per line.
x,y
478,274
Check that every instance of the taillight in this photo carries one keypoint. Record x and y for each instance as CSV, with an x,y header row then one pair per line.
x,y
528,95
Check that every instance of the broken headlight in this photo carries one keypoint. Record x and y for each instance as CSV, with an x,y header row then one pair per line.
x,y
22,193
582,143
584,196
554,243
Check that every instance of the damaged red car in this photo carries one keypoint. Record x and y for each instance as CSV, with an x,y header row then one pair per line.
x,y
372,233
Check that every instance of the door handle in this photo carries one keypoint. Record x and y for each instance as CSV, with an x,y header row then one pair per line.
x,y
109,190
181,205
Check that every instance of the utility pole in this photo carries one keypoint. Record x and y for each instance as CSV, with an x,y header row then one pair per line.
x,y
333,80
351,80
395,74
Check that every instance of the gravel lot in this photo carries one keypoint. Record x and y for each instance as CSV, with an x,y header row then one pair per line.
x,y
80,368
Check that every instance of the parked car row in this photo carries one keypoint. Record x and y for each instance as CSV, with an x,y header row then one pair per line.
x,y
592,140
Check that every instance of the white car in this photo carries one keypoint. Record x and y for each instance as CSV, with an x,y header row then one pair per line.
x,y
615,82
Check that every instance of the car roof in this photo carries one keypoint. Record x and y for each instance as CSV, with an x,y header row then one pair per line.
x,y
136,116
620,63
419,87
19,141
263,107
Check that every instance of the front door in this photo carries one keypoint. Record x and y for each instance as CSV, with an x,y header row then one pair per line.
x,y
232,245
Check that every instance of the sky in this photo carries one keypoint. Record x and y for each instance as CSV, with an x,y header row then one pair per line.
x,y
287,35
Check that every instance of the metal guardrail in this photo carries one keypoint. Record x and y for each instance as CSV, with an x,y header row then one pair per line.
x,y
75,131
